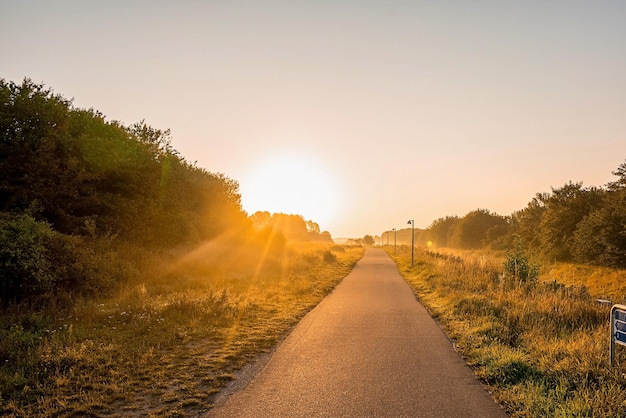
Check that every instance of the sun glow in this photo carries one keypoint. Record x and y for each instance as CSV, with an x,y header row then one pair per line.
x,y
291,183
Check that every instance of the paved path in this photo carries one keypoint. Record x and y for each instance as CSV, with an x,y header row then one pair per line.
x,y
369,349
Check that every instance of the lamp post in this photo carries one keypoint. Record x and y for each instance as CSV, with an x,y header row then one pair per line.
x,y
395,235
412,222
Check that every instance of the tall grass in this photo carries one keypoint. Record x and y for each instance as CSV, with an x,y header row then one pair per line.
x,y
167,342
542,348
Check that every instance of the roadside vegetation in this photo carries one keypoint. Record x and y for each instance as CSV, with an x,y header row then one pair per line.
x,y
534,334
169,339
131,281
526,297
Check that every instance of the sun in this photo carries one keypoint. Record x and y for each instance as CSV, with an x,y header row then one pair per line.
x,y
292,183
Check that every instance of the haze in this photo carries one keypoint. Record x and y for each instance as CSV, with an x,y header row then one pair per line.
x,y
383,111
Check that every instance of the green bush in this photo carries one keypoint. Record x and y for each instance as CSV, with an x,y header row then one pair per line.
x,y
517,265
24,266
81,265
36,261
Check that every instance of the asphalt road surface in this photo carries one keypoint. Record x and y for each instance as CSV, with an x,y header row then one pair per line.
x,y
369,349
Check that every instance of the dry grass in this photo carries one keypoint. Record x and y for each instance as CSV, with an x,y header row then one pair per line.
x,y
171,339
541,348
600,282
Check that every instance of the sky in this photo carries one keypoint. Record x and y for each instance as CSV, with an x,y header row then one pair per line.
x,y
358,115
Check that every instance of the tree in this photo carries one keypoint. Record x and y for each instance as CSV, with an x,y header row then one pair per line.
x,y
69,178
71,168
293,227
600,238
565,208
312,227
620,183
368,240
40,167
326,237
526,222
477,229
441,230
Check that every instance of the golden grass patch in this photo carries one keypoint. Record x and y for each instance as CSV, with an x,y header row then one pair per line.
x,y
171,338
542,348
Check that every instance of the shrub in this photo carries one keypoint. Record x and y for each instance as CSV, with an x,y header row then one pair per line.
x,y
24,266
37,261
87,266
517,265
329,257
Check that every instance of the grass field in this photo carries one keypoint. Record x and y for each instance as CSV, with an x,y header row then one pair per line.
x,y
178,332
542,348
170,339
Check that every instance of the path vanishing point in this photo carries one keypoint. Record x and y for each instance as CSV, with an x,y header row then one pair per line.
x,y
369,349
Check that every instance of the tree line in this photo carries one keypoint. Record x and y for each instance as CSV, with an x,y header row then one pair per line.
x,y
572,223
291,227
72,182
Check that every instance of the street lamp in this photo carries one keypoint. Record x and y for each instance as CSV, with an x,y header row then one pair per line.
x,y
395,235
412,222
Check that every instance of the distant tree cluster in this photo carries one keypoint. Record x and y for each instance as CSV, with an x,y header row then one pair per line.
x,y
291,227
572,223
477,229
